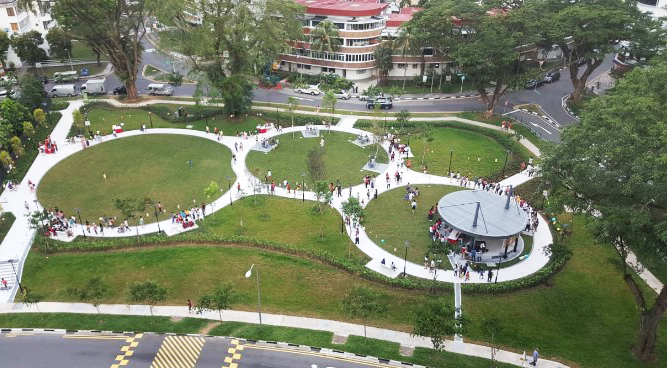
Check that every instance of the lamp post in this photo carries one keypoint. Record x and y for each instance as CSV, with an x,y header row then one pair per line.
x,y
78,212
11,262
259,299
303,186
507,155
500,255
156,219
229,188
451,153
405,258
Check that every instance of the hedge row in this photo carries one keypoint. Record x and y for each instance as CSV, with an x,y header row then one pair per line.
x,y
507,141
558,259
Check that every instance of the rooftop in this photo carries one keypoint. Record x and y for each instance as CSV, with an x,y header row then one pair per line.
x,y
356,8
458,209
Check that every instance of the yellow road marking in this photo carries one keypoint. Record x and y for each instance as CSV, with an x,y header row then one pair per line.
x,y
98,337
320,355
178,351
17,334
234,355
123,359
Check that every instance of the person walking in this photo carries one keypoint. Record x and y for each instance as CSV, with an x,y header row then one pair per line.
x,y
536,355
490,276
4,283
125,223
104,176
190,302
27,206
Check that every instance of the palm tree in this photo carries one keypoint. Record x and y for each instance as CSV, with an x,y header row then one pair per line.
x,y
406,43
325,37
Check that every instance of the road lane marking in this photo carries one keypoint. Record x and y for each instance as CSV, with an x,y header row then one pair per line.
x,y
178,352
99,337
541,127
319,355
122,359
235,355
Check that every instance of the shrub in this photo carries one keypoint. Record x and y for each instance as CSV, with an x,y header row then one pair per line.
x,y
59,105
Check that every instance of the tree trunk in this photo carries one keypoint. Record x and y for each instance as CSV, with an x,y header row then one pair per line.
x,y
98,58
132,93
405,76
648,328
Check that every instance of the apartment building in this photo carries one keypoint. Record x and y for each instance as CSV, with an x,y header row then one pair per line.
x,y
16,21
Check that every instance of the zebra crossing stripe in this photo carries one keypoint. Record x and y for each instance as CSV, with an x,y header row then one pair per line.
x,y
178,352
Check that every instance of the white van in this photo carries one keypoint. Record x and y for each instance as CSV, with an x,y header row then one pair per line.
x,y
6,93
65,90
94,87
159,89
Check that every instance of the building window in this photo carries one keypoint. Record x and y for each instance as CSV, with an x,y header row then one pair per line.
x,y
24,23
15,26
402,66
282,62
362,71
307,67
10,12
328,70
415,66
299,66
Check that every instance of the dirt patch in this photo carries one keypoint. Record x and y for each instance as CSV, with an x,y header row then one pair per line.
x,y
339,339
176,319
406,351
208,328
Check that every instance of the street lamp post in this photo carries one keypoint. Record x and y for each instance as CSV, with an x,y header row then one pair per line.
x,y
259,299
500,255
78,212
451,153
405,258
507,155
18,281
156,219
229,188
303,186
150,116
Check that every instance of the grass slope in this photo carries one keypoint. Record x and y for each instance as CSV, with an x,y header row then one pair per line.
x,y
160,173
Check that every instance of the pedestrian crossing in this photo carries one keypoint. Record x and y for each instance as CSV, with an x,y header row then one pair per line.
x,y
178,352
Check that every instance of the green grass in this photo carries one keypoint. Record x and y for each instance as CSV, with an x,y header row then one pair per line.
x,y
81,51
588,316
159,75
273,218
103,322
6,222
390,218
301,336
154,166
48,71
351,112
343,159
516,126
474,154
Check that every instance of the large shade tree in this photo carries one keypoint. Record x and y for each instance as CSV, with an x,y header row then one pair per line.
x,y
113,27
613,165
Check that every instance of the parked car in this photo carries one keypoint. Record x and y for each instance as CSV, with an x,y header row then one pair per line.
x,y
66,77
342,94
63,90
42,78
364,97
385,103
552,77
534,83
8,79
159,89
6,93
94,87
581,61
122,90
311,90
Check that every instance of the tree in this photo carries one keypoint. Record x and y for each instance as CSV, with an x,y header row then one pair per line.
x,y
324,196
31,298
6,159
426,136
403,116
27,48
221,298
60,43
114,28
353,210
149,292
175,79
14,114
129,207
329,102
211,190
586,29
40,116
78,119
325,37
316,165
32,92
408,44
93,292
292,104
5,42
383,60
28,129
362,303
492,326
17,146
614,164
437,320
236,93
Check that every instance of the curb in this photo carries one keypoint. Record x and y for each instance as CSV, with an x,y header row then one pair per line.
x,y
563,102
304,348
435,98
544,117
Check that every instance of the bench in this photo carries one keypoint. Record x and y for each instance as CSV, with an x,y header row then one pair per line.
x,y
387,266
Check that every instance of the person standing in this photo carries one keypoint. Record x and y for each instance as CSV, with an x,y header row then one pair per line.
x,y
27,206
536,355
4,283
190,302
490,276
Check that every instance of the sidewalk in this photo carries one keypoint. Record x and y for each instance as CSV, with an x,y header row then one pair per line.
x,y
338,328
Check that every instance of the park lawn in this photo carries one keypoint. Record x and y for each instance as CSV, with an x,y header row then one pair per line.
x,y
81,51
343,159
102,118
273,218
588,316
153,166
159,75
474,154
390,218
6,222
289,284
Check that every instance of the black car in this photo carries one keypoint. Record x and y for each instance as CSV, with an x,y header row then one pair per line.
x,y
42,78
122,90
534,83
385,103
552,77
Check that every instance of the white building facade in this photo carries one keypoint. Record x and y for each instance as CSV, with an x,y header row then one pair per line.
x,y
14,21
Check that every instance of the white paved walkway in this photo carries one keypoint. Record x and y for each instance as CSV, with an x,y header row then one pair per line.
x,y
338,328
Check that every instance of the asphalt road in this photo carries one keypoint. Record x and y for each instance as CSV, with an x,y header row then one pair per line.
x,y
158,351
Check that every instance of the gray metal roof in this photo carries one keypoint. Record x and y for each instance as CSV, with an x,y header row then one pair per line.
x,y
494,221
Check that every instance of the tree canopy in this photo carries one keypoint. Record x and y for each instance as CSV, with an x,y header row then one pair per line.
x,y
614,164
27,48
60,43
